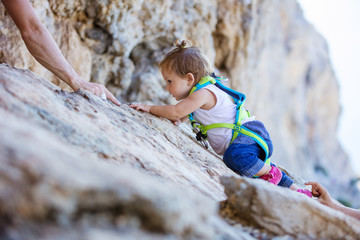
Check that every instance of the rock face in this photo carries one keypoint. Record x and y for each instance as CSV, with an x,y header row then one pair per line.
x,y
76,167
260,204
67,157
266,48
72,158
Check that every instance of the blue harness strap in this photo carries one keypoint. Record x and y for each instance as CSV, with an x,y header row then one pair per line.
x,y
241,113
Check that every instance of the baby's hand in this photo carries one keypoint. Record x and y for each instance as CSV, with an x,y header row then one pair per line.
x,y
143,107
177,122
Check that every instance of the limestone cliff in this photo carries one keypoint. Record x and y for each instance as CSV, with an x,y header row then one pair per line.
x,y
76,167
265,47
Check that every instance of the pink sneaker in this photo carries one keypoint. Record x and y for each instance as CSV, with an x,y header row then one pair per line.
x,y
274,176
305,191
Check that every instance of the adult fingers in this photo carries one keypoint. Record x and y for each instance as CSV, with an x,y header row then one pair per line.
x,y
111,97
311,183
97,89
315,189
316,186
101,91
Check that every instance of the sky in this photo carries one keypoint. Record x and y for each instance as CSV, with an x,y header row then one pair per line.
x,y
338,21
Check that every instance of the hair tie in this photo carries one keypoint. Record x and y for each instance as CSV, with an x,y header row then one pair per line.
x,y
182,44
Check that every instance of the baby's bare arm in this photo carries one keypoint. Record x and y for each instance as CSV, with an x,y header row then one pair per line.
x,y
180,110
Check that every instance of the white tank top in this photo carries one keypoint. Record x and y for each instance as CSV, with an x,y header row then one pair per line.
x,y
224,111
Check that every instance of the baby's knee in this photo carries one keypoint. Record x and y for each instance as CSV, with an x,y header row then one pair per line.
x,y
246,165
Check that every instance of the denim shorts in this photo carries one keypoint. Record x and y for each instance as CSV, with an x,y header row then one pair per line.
x,y
245,157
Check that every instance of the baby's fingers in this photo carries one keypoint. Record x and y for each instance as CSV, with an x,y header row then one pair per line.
x,y
136,106
177,122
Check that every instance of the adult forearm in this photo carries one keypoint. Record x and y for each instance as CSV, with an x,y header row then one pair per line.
x,y
349,211
43,47
45,50
39,41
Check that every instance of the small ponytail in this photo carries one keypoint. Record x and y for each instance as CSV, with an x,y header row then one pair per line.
x,y
182,43
184,59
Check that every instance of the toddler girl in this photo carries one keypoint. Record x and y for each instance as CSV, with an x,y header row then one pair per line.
x,y
245,145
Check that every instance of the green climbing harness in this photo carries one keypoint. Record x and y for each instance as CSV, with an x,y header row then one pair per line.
x,y
241,113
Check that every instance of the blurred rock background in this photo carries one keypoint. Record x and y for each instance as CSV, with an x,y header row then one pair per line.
x,y
71,158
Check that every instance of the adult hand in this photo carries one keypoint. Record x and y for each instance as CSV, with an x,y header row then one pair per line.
x,y
98,89
325,198
43,47
143,107
323,195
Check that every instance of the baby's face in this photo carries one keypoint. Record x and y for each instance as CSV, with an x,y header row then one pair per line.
x,y
177,86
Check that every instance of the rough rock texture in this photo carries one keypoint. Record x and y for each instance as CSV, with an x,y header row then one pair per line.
x,y
71,157
260,204
266,48
76,167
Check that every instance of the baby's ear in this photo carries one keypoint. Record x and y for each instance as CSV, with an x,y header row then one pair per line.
x,y
190,78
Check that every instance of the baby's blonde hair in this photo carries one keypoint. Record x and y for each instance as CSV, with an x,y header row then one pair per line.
x,y
184,59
